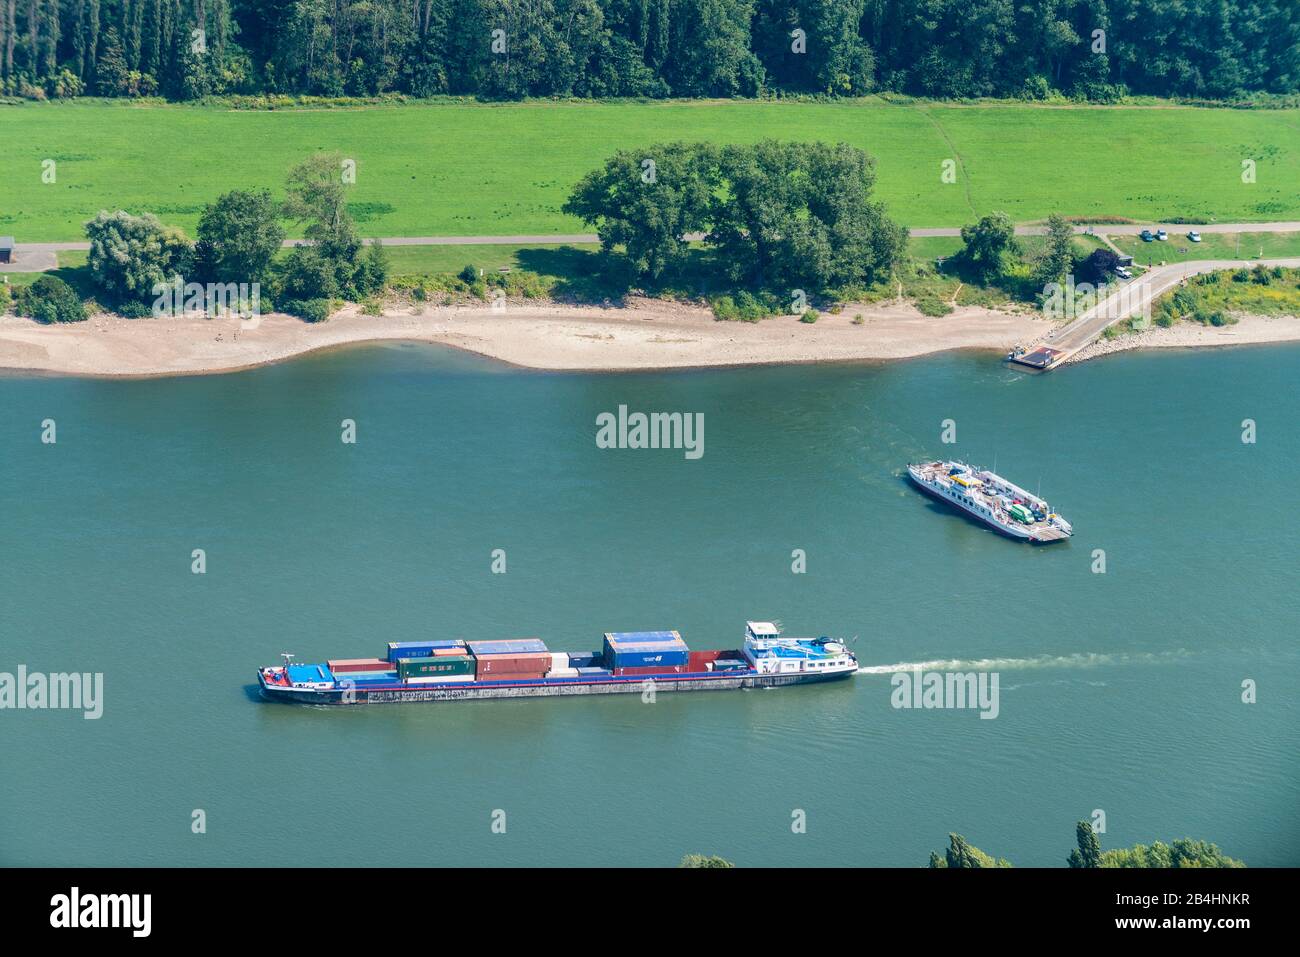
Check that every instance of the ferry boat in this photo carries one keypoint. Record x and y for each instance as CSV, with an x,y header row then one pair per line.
x,y
629,662
991,499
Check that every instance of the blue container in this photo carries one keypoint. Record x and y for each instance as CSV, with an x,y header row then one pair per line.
x,y
640,649
418,649
508,646
594,672
647,657
582,661
642,637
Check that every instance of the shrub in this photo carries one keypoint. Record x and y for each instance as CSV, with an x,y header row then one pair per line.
x,y
5,298
311,310
50,299
858,320
133,309
469,275
932,306
810,316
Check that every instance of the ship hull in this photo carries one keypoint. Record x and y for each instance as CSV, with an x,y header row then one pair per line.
x,y
470,691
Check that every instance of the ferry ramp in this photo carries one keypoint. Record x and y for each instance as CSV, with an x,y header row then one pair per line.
x,y
1061,344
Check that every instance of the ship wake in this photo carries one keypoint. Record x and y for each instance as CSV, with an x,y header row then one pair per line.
x,y
1086,660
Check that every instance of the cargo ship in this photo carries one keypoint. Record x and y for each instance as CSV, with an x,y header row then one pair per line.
x,y
991,499
628,662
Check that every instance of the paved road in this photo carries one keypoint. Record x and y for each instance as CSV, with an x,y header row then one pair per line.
x,y
1134,296
37,257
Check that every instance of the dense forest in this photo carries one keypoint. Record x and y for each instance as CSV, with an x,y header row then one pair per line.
x,y
1090,49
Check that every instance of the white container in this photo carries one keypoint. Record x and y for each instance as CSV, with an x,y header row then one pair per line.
x,y
562,673
559,661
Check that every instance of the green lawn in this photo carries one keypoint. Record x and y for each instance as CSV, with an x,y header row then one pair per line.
x,y
461,169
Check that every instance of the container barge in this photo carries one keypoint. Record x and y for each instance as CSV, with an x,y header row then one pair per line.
x,y
455,670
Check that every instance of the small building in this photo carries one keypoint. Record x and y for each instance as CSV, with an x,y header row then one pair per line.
x,y
1124,260
6,249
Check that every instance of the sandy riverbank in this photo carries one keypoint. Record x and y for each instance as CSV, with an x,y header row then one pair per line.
x,y
646,334
1248,330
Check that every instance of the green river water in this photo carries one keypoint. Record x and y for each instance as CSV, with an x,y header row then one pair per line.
x,y
1119,691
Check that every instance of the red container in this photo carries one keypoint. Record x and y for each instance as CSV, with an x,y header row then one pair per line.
x,y
700,660
652,670
519,676
500,666
343,666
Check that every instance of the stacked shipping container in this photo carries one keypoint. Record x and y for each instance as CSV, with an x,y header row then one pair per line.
x,y
432,667
421,649
520,659
514,659
646,652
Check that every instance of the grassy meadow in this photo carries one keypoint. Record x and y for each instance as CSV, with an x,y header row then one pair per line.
x,y
465,169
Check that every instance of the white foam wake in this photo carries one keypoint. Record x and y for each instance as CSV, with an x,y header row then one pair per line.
x,y
1085,660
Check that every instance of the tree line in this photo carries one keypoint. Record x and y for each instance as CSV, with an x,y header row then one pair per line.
x,y
138,265
1096,50
1185,852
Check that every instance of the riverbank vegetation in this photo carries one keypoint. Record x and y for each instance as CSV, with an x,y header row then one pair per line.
x,y
1212,298
1088,854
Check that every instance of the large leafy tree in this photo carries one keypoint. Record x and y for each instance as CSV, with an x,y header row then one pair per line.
x,y
129,254
647,201
989,244
1058,251
799,215
329,265
238,237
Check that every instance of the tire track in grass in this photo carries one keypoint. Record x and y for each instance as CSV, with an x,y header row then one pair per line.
x,y
961,163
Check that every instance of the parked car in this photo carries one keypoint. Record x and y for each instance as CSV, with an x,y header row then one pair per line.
x,y
1194,236
1161,235
1146,236
1123,272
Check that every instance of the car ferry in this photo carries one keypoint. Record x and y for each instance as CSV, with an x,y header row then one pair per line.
x,y
991,499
